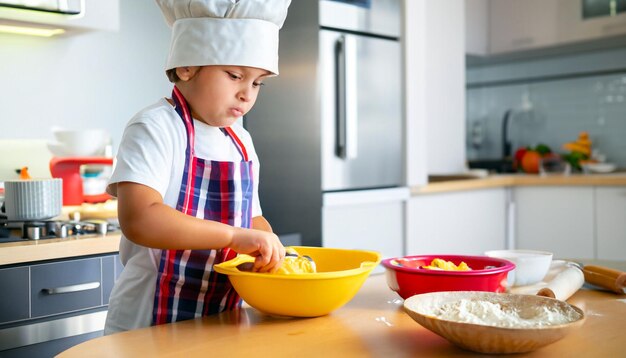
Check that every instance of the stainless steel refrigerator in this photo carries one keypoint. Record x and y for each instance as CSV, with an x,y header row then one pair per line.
x,y
329,129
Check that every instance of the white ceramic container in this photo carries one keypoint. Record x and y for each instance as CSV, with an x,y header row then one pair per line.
x,y
531,266
33,199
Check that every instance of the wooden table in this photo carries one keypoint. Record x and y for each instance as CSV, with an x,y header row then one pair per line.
x,y
373,324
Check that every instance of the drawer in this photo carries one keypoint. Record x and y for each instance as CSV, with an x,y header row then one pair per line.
x,y
14,286
65,286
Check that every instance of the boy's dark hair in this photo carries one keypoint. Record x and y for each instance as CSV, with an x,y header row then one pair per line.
x,y
172,76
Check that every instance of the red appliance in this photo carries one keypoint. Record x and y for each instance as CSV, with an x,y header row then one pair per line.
x,y
68,169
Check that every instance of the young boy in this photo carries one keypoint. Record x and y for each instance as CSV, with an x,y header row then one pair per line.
x,y
186,175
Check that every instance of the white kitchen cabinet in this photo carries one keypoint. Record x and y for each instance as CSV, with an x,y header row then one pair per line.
x,y
515,26
463,222
611,223
555,219
96,15
573,28
522,25
365,220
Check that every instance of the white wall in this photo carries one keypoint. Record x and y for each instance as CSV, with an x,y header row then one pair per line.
x,y
435,75
92,80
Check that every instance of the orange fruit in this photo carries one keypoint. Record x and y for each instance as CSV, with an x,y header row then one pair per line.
x,y
530,162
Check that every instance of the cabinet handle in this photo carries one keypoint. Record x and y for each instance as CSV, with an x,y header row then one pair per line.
x,y
71,288
611,28
522,41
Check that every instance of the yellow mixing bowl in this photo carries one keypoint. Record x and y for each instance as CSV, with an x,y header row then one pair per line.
x,y
340,274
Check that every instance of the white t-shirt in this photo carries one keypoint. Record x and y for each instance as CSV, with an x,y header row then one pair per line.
x,y
152,153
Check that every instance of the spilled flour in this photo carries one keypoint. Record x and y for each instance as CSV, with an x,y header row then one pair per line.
x,y
494,314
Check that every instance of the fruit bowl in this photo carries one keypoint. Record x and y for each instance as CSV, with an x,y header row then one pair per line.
x,y
406,277
340,274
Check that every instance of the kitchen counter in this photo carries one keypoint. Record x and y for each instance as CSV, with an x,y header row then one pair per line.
x,y
50,249
501,180
373,324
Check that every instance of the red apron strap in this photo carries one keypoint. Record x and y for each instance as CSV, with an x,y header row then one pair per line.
x,y
189,174
238,143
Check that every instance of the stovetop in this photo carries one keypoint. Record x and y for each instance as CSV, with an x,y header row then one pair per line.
x,y
16,231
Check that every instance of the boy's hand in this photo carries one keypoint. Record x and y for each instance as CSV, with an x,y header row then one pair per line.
x,y
265,246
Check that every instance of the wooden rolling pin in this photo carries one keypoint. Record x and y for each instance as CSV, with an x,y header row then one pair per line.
x,y
564,285
610,279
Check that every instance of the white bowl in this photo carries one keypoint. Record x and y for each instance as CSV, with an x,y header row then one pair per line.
x,y
531,266
81,143
601,167
33,199
58,149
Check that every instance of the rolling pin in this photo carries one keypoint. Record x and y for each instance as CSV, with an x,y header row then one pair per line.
x,y
564,285
610,279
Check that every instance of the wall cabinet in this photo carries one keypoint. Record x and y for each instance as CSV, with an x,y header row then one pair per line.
x,y
520,25
611,223
573,28
465,222
96,15
517,26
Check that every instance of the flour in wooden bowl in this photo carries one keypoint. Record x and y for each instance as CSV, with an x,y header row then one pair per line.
x,y
489,322
495,314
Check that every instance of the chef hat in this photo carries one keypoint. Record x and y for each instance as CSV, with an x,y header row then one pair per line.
x,y
224,32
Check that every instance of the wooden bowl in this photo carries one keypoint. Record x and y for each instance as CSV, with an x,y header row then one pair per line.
x,y
425,309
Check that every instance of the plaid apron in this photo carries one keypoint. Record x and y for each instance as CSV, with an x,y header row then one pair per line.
x,y
187,286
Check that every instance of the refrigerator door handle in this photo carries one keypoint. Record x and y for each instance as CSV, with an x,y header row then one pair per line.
x,y
346,98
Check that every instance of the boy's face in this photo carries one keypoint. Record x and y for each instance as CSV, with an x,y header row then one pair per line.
x,y
219,95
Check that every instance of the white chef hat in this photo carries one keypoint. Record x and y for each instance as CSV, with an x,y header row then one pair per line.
x,y
224,32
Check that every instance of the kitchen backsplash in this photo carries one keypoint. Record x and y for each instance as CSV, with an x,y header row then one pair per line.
x,y
552,100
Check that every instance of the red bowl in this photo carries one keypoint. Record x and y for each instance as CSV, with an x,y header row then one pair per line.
x,y
405,276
